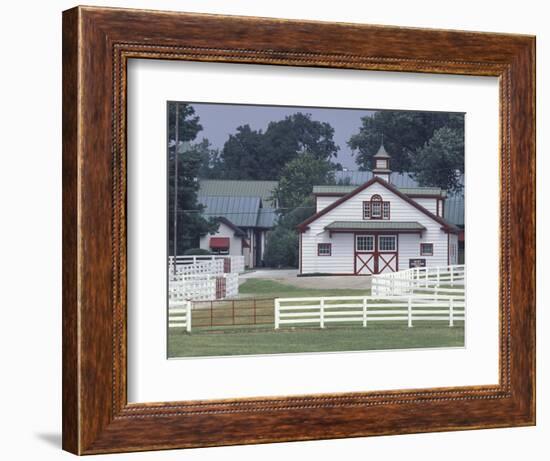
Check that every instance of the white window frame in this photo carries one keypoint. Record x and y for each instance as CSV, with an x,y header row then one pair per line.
x,y
380,237
369,238
386,207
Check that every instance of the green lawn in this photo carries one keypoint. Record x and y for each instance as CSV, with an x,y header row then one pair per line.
x,y
265,288
287,340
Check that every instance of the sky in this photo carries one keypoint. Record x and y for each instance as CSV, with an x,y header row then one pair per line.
x,y
221,120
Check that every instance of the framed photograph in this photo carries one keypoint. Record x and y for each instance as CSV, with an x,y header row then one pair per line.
x,y
281,230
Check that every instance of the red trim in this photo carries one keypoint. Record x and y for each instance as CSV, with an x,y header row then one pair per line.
x,y
427,254
329,249
446,225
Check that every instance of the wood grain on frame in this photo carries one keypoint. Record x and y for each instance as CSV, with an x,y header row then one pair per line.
x,y
97,43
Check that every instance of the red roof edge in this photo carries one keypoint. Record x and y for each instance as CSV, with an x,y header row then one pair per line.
x,y
446,226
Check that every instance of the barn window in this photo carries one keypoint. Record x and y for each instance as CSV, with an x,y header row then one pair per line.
x,y
386,210
366,210
387,243
376,207
324,249
426,249
364,243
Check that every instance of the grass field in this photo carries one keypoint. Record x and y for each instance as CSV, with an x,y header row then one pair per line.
x,y
377,337
265,288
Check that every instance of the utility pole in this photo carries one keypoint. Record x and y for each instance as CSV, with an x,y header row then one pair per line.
x,y
177,138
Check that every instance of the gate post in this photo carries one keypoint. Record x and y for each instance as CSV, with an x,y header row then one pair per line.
x,y
277,307
409,311
188,317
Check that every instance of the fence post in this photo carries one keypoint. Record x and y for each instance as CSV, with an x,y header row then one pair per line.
x,y
322,312
451,312
365,312
452,278
437,272
426,277
188,317
277,307
409,310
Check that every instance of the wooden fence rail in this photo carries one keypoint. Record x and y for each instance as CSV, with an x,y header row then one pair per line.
x,y
231,264
364,309
179,316
449,280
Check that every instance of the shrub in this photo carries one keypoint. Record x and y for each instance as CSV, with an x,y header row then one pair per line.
x,y
196,252
281,248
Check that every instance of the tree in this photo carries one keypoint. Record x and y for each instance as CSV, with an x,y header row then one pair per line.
x,y
298,178
210,167
282,248
440,162
282,244
189,220
188,122
242,156
285,139
253,154
404,132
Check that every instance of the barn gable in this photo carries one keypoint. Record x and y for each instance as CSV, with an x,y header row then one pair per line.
x,y
389,189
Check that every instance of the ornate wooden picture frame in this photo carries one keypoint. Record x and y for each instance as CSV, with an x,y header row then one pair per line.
x,y
97,44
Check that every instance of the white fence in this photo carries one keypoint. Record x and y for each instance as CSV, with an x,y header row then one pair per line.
x,y
206,267
179,316
202,287
365,309
233,264
446,280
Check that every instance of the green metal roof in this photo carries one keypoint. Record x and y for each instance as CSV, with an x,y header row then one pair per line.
x,y
454,210
337,189
241,211
238,188
375,225
435,191
266,217
333,189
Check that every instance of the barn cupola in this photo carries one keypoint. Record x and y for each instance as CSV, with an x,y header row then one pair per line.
x,y
382,163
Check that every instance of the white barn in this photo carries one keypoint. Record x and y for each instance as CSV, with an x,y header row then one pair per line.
x,y
376,228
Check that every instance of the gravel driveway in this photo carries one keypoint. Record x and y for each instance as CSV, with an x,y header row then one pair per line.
x,y
289,277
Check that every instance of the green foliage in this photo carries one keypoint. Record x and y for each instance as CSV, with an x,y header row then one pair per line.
x,y
242,156
254,154
189,124
405,135
196,252
282,248
441,160
190,223
298,178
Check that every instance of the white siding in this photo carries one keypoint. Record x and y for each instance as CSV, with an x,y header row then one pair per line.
x,y
429,203
323,202
235,243
341,260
